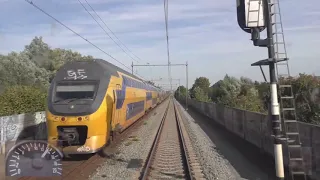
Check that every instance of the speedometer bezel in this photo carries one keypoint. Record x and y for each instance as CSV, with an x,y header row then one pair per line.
x,y
21,143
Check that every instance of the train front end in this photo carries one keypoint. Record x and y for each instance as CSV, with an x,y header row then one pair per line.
x,y
77,108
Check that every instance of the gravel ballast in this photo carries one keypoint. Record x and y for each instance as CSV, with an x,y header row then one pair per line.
x,y
214,165
130,156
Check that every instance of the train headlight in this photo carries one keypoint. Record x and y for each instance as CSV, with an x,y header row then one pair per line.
x,y
54,118
83,118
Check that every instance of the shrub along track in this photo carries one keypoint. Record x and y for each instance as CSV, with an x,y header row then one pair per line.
x,y
172,155
82,166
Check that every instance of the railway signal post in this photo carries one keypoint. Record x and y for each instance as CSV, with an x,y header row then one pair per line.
x,y
254,17
163,65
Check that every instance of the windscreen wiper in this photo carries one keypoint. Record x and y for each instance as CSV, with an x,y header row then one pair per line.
x,y
69,100
73,99
61,100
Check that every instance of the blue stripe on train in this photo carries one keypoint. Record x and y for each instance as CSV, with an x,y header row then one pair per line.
x,y
134,108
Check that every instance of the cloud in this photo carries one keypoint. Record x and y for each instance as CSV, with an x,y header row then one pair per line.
x,y
204,33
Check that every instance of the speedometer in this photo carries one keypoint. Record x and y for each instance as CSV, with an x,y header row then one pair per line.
x,y
34,158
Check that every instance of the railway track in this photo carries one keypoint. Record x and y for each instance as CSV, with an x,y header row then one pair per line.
x,y
171,155
81,167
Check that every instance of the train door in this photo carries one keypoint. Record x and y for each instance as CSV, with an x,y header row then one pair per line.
x,y
117,111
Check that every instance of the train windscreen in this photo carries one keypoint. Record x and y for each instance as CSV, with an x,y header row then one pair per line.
x,y
70,92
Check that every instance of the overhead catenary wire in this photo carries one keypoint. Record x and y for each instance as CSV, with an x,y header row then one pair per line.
x,y
112,31
40,9
103,28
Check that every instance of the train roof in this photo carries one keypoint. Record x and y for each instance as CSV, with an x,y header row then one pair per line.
x,y
108,68
113,69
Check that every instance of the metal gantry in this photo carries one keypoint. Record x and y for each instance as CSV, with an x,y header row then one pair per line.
x,y
164,65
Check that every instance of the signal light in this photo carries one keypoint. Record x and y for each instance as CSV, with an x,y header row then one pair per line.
x,y
79,118
63,119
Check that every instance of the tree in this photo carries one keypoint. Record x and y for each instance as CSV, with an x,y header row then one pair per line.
x,y
17,69
181,91
246,94
200,95
264,93
305,88
239,93
30,73
201,82
229,89
38,52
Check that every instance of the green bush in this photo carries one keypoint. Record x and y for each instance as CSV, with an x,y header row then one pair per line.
x,y
22,99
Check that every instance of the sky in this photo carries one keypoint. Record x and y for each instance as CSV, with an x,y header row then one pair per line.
x,y
204,33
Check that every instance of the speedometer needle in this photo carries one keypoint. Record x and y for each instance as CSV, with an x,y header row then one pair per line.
x,y
45,152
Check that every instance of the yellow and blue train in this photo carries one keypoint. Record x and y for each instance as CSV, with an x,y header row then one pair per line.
x,y
90,100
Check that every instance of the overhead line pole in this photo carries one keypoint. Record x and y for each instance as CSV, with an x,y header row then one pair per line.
x,y
166,12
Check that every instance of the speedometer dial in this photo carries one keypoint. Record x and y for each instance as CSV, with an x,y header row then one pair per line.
x,y
34,158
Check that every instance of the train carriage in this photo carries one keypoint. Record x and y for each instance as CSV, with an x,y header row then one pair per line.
x,y
88,100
